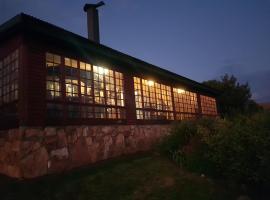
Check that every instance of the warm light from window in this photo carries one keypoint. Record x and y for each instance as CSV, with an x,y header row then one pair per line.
x,y
179,91
102,70
150,83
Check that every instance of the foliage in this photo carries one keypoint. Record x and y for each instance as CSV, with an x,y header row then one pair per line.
x,y
235,98
237,149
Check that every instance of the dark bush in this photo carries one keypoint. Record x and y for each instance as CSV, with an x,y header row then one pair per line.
x,y
237,149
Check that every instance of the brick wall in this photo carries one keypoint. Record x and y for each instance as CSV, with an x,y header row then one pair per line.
x,y
33,152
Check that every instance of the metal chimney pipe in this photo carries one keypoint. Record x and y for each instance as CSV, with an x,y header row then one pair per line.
x,y
92,20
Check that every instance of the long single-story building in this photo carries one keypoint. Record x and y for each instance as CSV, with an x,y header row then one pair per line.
x,y
54,84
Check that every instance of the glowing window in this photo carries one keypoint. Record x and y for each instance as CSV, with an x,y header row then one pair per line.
x,y
86,77
71,79
53,86
185,102
153,100
208,105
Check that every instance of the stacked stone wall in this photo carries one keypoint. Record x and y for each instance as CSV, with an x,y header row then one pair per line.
x,y
32,152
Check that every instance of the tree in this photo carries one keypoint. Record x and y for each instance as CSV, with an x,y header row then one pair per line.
x,y
235,98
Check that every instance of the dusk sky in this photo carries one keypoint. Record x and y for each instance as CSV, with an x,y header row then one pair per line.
x,y
199,39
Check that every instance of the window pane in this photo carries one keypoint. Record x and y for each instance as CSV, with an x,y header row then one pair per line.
x,y
152,97
208,105
185,102
9,67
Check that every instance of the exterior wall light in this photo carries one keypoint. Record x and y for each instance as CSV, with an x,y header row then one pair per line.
x,y
102,70
150,83
180,91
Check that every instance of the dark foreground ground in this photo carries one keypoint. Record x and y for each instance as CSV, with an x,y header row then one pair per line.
x,y
147,176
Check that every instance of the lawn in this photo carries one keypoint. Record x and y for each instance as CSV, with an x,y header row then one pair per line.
x,y
147,176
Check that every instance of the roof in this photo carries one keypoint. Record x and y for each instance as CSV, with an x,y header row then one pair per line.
x,y
32,25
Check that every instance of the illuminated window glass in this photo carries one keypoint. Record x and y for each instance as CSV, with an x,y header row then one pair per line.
x,y
185,102
53,87
110,89
138,94
119,85
99,92
71,79
111,113
153,100
71,63
100,112
86,82
139,114
52,60
9,72
208,105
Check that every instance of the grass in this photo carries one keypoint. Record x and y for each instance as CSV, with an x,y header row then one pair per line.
x,y
147,176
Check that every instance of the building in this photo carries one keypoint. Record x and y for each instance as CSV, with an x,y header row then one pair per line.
x,y
52,77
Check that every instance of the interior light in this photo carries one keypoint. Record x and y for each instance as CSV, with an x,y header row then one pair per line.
x,y
102,70
150,83
106,71
179,91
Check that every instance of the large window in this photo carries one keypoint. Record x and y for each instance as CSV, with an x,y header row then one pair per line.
x,y
71,79
9,70
90,91
185,104
53,62
153,100
208,105
86,76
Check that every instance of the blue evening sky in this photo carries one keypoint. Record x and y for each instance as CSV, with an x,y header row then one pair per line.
x,y
199,39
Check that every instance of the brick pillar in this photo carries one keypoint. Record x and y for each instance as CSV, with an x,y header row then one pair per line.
x,y
129,99
32,86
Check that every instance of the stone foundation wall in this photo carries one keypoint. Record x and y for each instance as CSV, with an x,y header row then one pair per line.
x,y
33,152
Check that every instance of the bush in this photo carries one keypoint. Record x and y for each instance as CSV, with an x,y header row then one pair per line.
x,y
237,149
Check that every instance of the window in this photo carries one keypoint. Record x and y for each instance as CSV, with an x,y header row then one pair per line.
x,y
87,112
119,85
100,112
54,110
86,82
108,91
138,94
99,93
185,104
53,87
91,91
71,79
73,111
110,88
9,72
208,105
153,100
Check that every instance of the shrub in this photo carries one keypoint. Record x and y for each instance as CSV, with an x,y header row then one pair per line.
x,y
237,149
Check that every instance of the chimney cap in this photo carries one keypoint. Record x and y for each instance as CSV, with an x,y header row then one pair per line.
x,y
87,5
